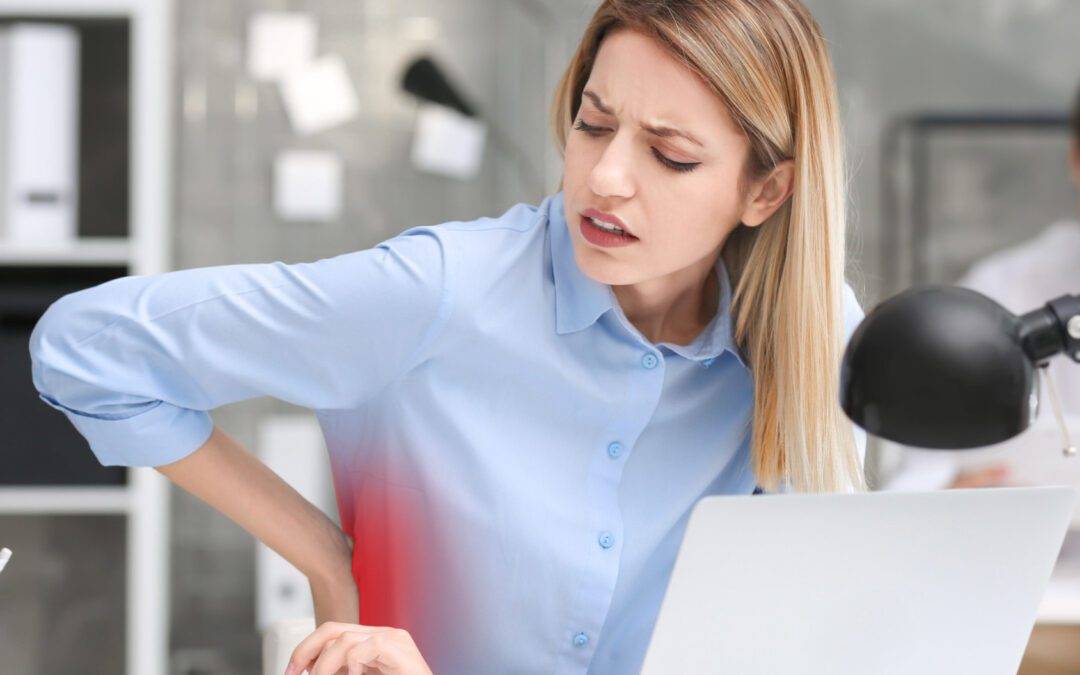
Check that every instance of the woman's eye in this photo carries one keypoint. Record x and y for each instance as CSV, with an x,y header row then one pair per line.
x,y
671,164
678,166
591,130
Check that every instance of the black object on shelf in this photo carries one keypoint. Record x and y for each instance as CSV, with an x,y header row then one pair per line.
x,y
104,140
945,367
40,446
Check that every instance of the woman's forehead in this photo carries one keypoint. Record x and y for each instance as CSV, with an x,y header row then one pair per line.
x,y
641,82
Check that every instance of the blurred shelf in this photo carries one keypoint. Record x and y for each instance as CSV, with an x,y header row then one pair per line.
x,y
143,33
58,500
85,251
75,8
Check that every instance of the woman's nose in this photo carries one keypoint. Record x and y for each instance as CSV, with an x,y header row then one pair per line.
x,y
612,176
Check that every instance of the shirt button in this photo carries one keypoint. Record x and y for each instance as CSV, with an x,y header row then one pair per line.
x,y
614,449
606,539
580,639
708,362
649,360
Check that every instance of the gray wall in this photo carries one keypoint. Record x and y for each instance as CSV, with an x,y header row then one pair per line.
x,y
897,57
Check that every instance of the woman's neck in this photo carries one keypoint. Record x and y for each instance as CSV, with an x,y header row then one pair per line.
x,y
674,308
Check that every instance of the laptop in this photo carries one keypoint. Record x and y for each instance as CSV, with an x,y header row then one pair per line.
x,y
877,583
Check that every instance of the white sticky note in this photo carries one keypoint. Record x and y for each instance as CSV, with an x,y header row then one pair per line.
x,y
279,42
319,95
308,185
448,142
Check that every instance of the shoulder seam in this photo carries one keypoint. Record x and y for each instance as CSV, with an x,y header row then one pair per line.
x,y
447,300
461,226
442,313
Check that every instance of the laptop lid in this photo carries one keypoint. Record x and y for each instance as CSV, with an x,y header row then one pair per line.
x,y
946,581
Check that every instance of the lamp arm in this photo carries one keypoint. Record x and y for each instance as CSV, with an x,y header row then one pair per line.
x,y
1052,329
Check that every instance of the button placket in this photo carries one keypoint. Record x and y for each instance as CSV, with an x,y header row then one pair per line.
x,y
589,612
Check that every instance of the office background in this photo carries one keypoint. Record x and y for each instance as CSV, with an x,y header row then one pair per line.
x,y
894,58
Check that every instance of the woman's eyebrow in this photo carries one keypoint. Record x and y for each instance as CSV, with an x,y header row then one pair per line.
x,y
658,130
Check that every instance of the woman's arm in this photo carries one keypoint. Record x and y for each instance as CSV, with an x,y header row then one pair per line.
x,y
226,476
137,363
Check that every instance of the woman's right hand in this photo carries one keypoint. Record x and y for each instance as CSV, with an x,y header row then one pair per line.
x,y
351,649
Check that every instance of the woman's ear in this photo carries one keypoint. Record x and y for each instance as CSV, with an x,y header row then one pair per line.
x,y
769,193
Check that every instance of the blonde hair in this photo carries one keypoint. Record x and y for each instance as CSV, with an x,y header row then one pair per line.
x,y
768,62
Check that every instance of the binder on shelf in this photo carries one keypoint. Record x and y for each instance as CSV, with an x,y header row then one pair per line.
x,y
39,101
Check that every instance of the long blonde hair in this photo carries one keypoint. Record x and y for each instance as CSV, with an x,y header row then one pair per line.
x,y
768,62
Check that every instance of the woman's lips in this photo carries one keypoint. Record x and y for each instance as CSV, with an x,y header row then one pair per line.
x,y
608,218
599,237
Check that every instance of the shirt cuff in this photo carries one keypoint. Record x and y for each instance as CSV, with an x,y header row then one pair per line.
x,y
161,435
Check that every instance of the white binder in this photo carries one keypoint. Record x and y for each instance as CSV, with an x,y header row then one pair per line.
x,y
39,133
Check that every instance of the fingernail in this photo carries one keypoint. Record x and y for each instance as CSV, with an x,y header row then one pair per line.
x,y
293,669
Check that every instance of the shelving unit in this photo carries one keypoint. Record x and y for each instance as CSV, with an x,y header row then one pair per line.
x,y
143,500
61,500
96,251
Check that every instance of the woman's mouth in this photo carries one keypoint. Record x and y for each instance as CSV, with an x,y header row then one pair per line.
x,y
604,234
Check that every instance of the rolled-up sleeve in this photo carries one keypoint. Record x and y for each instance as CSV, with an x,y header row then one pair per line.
x,y
136,363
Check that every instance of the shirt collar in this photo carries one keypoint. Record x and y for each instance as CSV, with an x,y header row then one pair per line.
x,y
580,300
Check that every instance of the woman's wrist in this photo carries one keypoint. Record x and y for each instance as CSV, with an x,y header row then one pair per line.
x,y
335,599
334,568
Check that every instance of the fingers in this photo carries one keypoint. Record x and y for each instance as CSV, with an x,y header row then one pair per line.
x,y
381,651
313,645
333,657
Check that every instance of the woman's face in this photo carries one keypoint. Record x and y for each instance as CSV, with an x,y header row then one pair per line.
x,y
678,216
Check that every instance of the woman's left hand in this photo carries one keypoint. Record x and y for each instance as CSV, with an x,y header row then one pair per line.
x,y
355,649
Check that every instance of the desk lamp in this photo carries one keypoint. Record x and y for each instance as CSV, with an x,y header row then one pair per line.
x,y
944,367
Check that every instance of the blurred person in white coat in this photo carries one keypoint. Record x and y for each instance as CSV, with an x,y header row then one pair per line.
x,y
1021,278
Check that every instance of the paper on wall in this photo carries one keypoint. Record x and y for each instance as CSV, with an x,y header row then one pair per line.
x,y
448,142
319,95
308,185
279,42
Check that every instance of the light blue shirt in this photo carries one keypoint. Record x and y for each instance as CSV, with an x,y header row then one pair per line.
x,y
514,459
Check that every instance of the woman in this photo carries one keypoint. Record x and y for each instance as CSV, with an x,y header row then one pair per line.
x,y
522,410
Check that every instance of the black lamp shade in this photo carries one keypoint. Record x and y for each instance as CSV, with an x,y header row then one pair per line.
x,y
939,367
